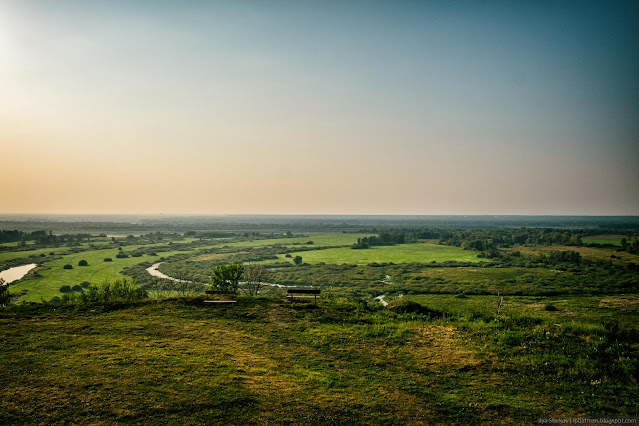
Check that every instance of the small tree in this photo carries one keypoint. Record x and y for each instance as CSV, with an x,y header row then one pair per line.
x,y
226,278
255,275
67,266
297,260
4,293
83,263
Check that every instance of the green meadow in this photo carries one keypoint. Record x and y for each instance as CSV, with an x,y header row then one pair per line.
x,y
332,239
46,284
604,239
10,255
401,253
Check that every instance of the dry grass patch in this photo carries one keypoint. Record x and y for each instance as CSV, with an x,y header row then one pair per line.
x,y
588,253
216,256
436,346
626,302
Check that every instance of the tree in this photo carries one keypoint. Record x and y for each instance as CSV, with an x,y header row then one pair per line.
x,y
255,275
226,278
297,260
83,263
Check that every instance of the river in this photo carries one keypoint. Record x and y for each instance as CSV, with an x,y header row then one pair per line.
x,y
153,270
381,300
14,274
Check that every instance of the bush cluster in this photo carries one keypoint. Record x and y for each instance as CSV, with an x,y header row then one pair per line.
x,y
123,290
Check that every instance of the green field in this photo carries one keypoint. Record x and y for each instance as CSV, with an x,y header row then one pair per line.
x,y
53,275
604,239
9,255
401,253
332,239
17,243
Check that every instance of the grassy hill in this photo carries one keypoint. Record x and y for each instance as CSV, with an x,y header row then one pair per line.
x,y
263,360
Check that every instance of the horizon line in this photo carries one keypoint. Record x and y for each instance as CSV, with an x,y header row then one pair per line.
x,y
321,215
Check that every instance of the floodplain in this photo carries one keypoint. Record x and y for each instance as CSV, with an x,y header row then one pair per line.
x,y
482,325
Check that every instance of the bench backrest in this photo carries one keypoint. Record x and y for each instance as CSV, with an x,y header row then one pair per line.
x,y
304,290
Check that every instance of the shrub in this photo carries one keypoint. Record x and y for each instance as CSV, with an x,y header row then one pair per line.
x,y
121,255
76,288
461,296
83,263
410,307
297,260
67,266
85,284
42,255
65,289
550,307
108,259
4,294
288,255
51,254
119,290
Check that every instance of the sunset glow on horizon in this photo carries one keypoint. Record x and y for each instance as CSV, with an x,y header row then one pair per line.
x,y
116,107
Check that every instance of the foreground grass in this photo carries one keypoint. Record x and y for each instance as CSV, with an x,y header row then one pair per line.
x,y
266,361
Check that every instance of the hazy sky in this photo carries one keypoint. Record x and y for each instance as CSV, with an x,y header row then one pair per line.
x,y
319,107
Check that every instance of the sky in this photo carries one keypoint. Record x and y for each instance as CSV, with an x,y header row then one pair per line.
x,y
319,107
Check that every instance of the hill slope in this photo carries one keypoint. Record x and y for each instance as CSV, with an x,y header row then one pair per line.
x,y
267,361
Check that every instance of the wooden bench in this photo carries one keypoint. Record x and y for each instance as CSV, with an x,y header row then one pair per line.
x,y
301,293
219,293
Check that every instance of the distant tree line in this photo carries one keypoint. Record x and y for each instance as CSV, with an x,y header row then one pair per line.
x,y
384,239
42,237
484,240
630,247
